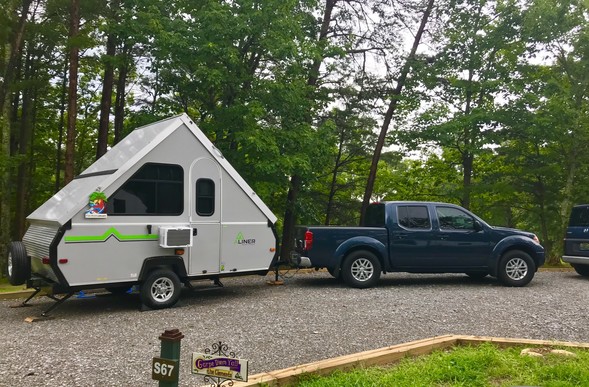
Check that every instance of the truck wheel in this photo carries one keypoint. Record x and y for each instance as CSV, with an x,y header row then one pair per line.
x,y
335,273
361,269
581,269
516,268
19,264
161,289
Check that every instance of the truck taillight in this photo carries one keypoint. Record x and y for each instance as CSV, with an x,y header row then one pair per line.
x,y
308,240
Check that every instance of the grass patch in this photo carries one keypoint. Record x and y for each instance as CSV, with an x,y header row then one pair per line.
x,y
482,365
5,286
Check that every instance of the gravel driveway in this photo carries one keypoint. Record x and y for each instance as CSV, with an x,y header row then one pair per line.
x,y
107,341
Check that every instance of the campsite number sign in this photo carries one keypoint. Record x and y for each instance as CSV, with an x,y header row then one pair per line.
x,y
164,370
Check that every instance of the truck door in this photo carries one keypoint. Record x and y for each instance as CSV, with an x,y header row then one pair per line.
x,y
460,244
412,238
205,217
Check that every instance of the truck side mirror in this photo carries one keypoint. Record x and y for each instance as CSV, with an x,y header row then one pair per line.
x,y
478,226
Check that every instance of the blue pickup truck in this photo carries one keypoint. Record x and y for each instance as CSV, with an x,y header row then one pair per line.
x,y
419,237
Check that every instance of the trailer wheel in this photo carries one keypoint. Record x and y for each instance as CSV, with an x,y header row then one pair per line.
x,y
161,289
361,269
19,264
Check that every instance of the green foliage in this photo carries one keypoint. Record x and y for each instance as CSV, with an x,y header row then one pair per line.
x,y
494,114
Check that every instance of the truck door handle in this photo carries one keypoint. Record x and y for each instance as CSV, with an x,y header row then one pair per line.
x,y
443,236
401,236
194,232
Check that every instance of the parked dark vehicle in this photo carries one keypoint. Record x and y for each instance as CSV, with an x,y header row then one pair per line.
x,y
576,241
419,237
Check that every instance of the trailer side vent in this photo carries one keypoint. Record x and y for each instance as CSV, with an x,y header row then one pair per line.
x,y
175,236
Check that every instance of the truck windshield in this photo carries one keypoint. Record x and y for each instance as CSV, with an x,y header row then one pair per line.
x,y
579,216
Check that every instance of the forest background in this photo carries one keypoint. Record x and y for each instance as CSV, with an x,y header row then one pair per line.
x,y
321,105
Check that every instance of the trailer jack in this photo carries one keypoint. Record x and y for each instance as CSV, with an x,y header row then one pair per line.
x,y
58,301
45,314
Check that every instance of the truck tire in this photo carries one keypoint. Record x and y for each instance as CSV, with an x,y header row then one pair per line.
x,y
361,269
161,289
335,273
581,269
516,268
19,264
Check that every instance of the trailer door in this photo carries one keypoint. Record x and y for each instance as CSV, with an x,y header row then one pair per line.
x,y
205,217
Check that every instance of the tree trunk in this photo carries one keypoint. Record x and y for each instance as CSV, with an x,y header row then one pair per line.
x,y
467,167
120,101
105,103
61,126
296,180
391,111
72,92
12,52
332,188
24,140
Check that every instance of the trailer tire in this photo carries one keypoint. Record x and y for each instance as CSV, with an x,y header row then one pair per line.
x,y
161,289
361,269
19,264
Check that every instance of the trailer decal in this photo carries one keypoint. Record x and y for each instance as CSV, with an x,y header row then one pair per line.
x,y
111,232
240,240
96,203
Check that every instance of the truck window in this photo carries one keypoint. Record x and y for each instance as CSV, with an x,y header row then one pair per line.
x,y
205,197
414,217
579,217
374,215
454,219
155,189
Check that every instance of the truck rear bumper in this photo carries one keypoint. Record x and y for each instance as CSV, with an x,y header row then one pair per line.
x,y
576,259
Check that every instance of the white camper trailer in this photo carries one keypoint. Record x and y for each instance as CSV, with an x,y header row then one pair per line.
x,y
161,208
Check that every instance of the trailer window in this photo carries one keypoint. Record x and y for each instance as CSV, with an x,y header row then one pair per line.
x,y
155,189
205,197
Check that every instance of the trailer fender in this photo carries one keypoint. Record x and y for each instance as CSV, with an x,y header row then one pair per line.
x,y
175,262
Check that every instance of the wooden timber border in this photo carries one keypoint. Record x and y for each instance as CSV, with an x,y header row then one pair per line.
x,y
388,355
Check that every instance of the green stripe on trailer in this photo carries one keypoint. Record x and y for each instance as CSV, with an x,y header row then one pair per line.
x,y
108,233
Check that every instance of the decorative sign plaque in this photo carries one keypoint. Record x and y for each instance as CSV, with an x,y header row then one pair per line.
x,y
223,367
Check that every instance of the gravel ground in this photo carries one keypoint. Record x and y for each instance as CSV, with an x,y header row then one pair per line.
x,y
107,341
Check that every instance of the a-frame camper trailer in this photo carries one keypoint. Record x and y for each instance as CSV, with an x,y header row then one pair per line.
x,y
161,208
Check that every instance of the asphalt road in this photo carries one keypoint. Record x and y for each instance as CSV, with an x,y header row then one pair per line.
x,y
108,341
